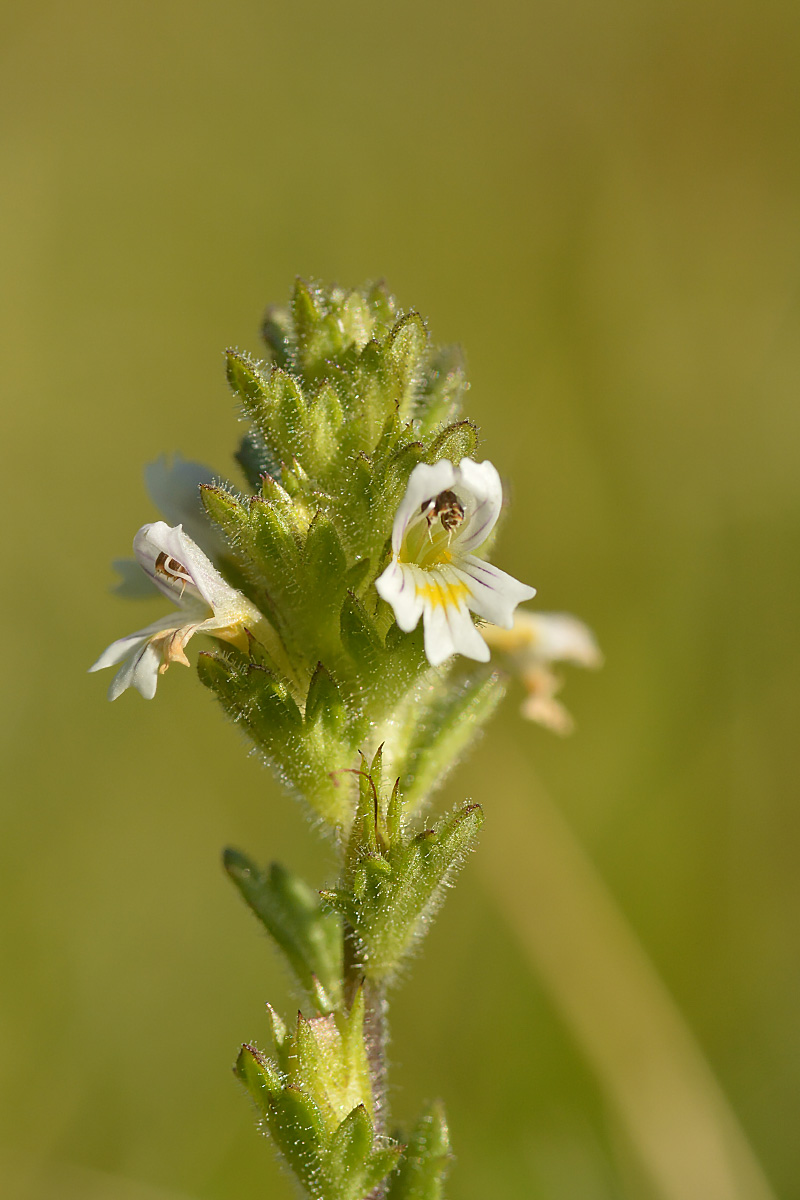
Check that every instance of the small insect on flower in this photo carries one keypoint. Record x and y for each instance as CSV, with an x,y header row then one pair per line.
x,y
448,512
170,567
207,604
447,507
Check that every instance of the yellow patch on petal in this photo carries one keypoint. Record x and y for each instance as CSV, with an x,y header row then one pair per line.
x,y
236,635
443,594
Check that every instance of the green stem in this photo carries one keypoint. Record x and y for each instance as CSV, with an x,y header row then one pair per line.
x,y
375,1033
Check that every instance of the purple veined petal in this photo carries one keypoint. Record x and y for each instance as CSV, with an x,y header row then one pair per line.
x,y
481,482
398,587
493,594
425,482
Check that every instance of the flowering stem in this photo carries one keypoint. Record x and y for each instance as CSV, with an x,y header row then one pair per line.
x,y
363,514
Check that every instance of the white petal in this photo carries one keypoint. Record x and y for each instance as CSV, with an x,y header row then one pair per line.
x,y
398,587
157,539
425,482
481,482
559,637
493,594
439,644
204,583
126,646
140,670
466,638
449,628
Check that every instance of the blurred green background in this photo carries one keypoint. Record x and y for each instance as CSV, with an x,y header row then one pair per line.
x,y
600,202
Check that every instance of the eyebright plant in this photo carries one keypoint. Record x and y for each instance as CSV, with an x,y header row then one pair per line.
x,y
341,580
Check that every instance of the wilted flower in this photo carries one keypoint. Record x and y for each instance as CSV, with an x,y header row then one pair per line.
x,y
447,513
179,569
535,642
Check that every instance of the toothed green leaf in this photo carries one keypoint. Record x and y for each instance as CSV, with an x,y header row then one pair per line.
x,y
392,898
292,913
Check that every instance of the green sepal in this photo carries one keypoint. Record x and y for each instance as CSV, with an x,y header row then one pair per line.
x,y
382,305
379,673
254,696
297,1128
225,510
319,334
327,1059
391,898
394,813
307,312
273,559
271,490
334,1159
273,399
291,912
292,1118
406,353
361,638
324,568
357,575
289,415
354,1166
371,399
248,379
445,383
351,1145
259,1076
427,1158
326,417
280,1035
324,705
457,441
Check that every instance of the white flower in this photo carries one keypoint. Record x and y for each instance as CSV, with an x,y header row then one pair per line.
x,y
535,642
206,603
447,513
